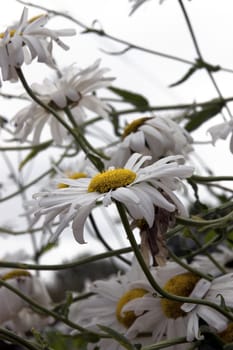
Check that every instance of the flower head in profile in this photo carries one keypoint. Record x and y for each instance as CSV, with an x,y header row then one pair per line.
x,y
166,318
138,188
155,136
27,40
222,131
73,90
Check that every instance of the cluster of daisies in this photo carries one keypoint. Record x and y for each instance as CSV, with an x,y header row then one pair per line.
x,y
140,172
135,309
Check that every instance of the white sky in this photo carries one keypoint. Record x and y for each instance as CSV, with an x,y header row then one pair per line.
x,y
158,27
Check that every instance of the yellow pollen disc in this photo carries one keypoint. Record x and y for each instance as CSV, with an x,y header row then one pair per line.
x,y
74,176
111,179
227,334
133,126
181,285
128,317
14,274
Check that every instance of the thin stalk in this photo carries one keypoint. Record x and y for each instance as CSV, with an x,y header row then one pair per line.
x,y
16,339
165,344
194,39
103,241
64,266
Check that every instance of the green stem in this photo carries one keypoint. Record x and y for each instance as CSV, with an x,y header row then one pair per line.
x,y
33,182
204,179
194,39
171,107
84,144
16,339
188,267
209,223
64,266
211,258
165,344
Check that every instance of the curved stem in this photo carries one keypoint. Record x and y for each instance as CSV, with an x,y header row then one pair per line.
x,y
103,241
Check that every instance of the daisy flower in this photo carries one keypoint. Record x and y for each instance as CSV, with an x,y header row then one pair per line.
x,y
221,131
105,307
27,40
13,308
139,188
155,136
73,90
167,319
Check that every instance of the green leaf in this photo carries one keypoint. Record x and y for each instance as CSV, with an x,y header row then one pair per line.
x,y
130,97
124,342
33,153
190,72
197,118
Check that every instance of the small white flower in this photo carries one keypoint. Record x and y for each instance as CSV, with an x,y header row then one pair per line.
x,y
74,90
13,308
155,136
168,319
139,188
26,41
221,131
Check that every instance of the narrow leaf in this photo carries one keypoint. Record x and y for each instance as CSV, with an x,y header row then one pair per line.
x,y
189,73
199,117
130,97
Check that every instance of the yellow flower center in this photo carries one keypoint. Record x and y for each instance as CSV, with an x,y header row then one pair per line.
x,y
74,176
12,31
111,179
133,126
227,334
181,285
127,318
14,274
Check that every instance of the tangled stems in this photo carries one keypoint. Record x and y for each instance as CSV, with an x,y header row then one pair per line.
x,y
151,279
